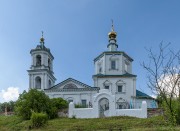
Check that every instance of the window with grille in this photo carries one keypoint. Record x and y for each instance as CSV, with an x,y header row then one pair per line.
x,y
120,88
113,64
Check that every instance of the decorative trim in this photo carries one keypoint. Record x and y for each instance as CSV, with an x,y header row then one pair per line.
x,y
70,79
70,90
113,52
124,75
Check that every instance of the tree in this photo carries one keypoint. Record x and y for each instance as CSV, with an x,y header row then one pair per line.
x,y
164,75
59,103
38,102
9,105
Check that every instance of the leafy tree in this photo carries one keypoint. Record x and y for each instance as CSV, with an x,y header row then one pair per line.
x,y
38,102
9,105
59,103
33,100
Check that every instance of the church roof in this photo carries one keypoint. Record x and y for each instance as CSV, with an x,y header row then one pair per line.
x,y
40,48
87,87
123,75
142,95
113,52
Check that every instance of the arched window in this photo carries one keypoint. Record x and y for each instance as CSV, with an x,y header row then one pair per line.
x,y
100,69
38,60
38,82
49,83
120,86
114,62
49,64
107,84
69,99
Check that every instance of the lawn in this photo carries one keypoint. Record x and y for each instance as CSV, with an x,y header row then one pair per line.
x,y
13,123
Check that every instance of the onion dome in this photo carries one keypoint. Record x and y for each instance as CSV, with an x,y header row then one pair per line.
x,y
112,34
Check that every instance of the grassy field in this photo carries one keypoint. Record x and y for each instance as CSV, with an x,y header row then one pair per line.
x,y
13,123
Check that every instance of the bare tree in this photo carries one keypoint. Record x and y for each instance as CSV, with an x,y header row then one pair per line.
x,y
163,73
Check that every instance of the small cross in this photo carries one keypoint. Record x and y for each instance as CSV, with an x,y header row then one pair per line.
x,y
42,33
112,25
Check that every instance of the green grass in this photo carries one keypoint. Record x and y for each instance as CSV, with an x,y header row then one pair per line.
x,y
14,123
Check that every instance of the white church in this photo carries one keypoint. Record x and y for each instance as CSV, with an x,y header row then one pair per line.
x,y
114,86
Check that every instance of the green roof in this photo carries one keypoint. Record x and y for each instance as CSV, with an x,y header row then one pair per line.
x,y
40,48
123,75
113,52
140,94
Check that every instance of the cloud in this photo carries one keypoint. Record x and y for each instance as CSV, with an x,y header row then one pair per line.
x,y
154,96
12,93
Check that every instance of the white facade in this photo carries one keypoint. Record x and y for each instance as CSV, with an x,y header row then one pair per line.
x,y
73,91
95,111
113,74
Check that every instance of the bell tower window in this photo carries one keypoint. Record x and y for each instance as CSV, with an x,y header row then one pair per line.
x,y
38,60
38,83
100,69
49,64
49,83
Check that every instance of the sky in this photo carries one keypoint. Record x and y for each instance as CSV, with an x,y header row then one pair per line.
x,y
76,32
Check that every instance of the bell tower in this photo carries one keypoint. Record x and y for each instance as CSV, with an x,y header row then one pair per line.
x,y
41,75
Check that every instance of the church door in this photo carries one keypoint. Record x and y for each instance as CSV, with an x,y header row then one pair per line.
x,y
103,107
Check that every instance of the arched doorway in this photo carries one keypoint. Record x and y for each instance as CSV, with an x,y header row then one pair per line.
x,y
103,107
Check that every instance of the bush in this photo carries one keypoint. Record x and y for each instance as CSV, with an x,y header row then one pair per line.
x,y
38,101
53,112
38,119
59,103
81,106
33,100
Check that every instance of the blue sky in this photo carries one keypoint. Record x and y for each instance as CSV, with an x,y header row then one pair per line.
x,y
76,32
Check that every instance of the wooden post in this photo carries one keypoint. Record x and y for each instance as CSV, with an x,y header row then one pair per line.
x,y
6,113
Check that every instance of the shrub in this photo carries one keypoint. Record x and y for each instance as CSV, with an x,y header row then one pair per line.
x,y
81,106
38,101
59,103
38,119
33,100
53,112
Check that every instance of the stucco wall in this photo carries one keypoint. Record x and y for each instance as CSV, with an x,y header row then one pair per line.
x,y
94,112
140,113
129,87
112,111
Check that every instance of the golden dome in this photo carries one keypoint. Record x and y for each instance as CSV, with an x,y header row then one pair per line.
x,y
112,34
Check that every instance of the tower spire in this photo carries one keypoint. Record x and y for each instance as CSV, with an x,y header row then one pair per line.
x,y
42,39
112,46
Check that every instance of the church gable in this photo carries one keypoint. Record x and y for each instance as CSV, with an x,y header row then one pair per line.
x,y
70,84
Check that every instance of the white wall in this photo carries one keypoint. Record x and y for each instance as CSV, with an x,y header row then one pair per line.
x,y
93,112
140,113
81,112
